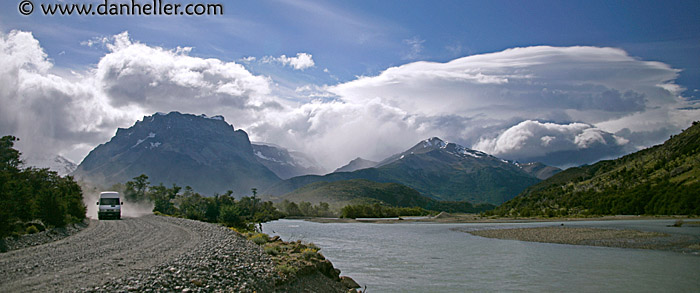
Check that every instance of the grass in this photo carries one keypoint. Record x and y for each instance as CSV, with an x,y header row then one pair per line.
x,y
293,259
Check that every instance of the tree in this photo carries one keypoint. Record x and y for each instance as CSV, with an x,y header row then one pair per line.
x,y
136,190
230,215
9,157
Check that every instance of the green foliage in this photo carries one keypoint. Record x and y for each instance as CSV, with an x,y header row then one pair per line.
x,y
260,238
231,216
305,209
379,211
663,179
286,269
135,190
272,250
29,194
9,157
225,209
309,253
361,191
32,229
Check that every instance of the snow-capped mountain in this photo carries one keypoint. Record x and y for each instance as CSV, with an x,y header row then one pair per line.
x,y
437,144
285,163
57,163
203,152
438,169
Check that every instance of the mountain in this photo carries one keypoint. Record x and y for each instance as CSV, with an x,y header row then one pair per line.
x,y
361,191
57,163
205,153
357,164
284,163
443,171
539,170
664,179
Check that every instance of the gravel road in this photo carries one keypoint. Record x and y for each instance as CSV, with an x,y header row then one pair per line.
x,y
140,254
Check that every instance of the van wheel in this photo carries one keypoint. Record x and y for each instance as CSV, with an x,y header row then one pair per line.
x,y
99,217
119,217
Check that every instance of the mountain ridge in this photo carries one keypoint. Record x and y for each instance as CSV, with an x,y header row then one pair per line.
x,y
440,170
356,164
203,152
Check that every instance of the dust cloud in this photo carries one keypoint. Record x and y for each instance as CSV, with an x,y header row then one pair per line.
x,y
91,196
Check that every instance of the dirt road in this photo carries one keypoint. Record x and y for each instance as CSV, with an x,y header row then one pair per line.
x,y
120,253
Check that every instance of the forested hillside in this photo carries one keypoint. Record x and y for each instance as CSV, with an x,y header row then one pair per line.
x,y
663,179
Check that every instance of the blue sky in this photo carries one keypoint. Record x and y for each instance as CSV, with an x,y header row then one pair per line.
x,y
352,39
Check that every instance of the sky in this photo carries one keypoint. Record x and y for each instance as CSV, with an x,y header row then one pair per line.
x,y
561,82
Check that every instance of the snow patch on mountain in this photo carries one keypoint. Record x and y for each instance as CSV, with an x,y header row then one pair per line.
x,y
57,163
150,135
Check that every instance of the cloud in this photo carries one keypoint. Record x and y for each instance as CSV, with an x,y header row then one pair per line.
x,y
157,79
300,62
563,106
335,132
49,113
536,141
603,88
415,48
74,114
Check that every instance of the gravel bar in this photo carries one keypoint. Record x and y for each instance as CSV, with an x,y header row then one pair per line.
x,y
623,238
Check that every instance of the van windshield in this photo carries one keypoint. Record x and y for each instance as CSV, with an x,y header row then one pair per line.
x,y
109,201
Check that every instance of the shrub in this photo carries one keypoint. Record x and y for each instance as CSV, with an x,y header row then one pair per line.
x,y
272,250
678,223
286,269
32,229
309,253
260,238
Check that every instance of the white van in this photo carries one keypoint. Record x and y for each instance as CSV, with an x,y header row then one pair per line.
x,y
110,205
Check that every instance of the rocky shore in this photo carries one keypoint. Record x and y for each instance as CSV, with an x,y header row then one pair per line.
x,y
623,238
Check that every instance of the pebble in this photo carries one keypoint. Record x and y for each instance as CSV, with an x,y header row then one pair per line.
x,y
210,266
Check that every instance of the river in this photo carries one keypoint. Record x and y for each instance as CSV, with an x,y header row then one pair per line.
x,y
430,257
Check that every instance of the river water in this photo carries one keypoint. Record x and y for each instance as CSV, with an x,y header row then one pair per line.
x,y
430,257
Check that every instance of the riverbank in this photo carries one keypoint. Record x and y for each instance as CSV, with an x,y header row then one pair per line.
x,y
476,218
592,236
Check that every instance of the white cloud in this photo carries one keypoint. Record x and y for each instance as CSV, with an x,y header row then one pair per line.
x,y
300,62
415,48
49,113
248,59
335,132
603,88
530,140
74,114
157,79
494,102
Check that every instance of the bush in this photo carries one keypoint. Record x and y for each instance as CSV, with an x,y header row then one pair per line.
x,y
272,250
260,238
309,253
678,223
32,229
286,269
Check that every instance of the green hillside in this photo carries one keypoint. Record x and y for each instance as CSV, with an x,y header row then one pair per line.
x,y
361,191
440,170
663,179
